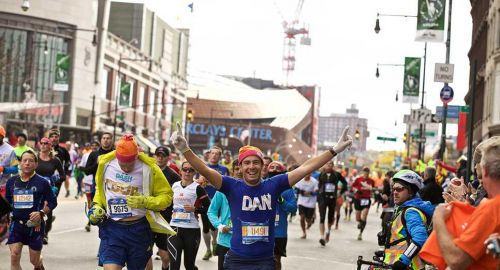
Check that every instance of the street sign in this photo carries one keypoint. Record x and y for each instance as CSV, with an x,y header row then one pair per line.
x,y
452,112
443,73
421,116
386,139
446,94
419,140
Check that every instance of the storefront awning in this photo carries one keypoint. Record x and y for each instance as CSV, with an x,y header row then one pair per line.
x,y
32,108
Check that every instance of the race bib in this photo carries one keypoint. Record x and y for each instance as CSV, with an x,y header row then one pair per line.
x,y
252,232
329,187
364,202
118,208
181,216
23,198
277,220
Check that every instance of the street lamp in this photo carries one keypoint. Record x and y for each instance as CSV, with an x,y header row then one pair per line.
x,y
377,22
421,144
377,72
94,37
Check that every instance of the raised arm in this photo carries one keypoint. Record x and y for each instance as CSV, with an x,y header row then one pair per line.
x,y
315,163
180,143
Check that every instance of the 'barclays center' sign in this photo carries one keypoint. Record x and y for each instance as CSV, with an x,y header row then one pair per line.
x,y
216,130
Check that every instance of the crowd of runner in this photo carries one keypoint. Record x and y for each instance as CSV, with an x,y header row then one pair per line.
x,y
241,204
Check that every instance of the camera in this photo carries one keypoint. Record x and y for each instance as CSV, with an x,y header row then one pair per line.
x,y
26,5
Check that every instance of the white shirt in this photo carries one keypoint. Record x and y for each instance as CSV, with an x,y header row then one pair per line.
x,y
311,186
118,184
87,179
182,196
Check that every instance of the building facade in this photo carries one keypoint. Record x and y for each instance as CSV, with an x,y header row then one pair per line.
x,y
111,52
485,53
330,128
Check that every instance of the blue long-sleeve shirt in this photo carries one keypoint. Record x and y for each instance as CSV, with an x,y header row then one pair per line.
x,y
30,196
289,205
219,213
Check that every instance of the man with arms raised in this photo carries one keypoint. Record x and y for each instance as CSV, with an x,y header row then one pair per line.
x,y
253,202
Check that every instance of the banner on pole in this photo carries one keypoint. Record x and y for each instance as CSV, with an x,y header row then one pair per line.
x,y
61,81
411,81
125,94
430,20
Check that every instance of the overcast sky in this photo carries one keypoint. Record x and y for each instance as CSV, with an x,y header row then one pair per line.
x,y
244,38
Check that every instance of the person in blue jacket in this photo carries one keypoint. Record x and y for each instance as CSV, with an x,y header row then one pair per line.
x,y
219,215
410,223
287,203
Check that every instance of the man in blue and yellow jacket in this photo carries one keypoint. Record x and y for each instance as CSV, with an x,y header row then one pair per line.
x,y
130,191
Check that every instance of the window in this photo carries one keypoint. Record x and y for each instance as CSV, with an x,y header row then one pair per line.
x,y
140,100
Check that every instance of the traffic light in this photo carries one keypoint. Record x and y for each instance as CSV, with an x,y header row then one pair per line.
x,y
405,138
356,134
190,116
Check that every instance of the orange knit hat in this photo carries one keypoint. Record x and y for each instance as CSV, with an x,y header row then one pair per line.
x,y
247,150
127,149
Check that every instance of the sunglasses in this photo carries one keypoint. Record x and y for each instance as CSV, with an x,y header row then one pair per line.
x,y
191,170
44,143
398,189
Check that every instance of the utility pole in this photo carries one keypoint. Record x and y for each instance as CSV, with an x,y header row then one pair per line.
x,y
117,95
445,105
470,137
421,143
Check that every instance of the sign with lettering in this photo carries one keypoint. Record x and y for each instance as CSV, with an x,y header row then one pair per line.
x,y
443,73
220,130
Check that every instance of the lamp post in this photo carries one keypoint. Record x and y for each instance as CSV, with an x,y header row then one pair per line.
x,y
118,88
94,37
445,105
421,143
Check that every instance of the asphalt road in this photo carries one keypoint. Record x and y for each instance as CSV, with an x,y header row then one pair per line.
x,y
71,247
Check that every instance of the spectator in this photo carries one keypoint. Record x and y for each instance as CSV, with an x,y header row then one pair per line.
x,y
468,251
431,191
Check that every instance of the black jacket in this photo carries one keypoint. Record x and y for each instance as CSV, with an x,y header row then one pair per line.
x,y
334,179
432,192
91,166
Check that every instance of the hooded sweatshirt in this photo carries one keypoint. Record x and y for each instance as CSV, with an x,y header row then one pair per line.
x,y
414,222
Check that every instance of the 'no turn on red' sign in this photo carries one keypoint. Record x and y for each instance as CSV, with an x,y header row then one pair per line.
x,y
443,73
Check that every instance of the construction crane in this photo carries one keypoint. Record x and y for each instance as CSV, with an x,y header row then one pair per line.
x,y
292,30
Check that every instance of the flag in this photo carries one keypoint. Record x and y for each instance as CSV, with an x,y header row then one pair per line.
x,y
430,20
190,6
411,80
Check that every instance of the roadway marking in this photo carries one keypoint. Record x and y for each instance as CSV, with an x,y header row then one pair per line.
x,y
67,231
321,260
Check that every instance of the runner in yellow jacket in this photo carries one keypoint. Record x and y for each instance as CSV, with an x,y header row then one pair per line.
x,y
130,191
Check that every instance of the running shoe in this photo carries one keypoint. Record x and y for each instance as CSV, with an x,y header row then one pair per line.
x,y
327,237
360,237
67,194
322,242
87,228
207,255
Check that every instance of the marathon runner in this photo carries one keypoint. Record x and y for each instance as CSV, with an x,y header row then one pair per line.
x,y
21,145
252,201
349,195
50,168
190,199
161,155
327,199
307,189
87,181
362,188
287,203
27,194
130,190
63,155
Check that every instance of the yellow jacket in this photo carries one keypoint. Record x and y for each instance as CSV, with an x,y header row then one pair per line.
x,y
154,184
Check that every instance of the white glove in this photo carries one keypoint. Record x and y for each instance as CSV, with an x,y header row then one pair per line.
x,y
344,142
178,140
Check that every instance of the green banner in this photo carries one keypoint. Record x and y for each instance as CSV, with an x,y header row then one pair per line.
x,y
411,85
125,94
430,20
61,80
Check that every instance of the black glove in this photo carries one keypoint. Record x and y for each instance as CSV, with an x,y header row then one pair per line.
x,y
398,265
